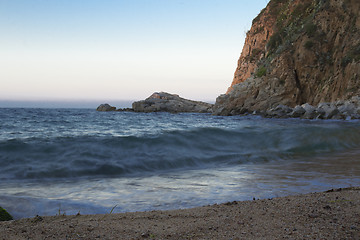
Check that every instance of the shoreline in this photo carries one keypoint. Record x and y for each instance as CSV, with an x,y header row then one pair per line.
x,y
333,214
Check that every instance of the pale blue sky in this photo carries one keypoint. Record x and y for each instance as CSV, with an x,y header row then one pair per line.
x,y
125,49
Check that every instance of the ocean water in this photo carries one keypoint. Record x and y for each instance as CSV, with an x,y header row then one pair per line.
x,y
78,160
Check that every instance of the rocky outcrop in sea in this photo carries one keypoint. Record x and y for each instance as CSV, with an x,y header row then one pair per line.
x,y
108,108
105,108
166,102
163,102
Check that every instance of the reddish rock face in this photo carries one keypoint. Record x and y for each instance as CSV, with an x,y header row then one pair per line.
x,y
297,52
255,46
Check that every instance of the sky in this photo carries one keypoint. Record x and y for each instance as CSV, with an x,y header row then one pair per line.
x,y
113,50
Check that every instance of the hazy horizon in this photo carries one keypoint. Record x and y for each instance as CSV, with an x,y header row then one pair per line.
x,y
63,103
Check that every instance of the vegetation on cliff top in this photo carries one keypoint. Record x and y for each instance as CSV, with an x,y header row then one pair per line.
x,y
353,55
291,22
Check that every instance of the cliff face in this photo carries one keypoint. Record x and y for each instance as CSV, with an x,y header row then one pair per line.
x,y
297,51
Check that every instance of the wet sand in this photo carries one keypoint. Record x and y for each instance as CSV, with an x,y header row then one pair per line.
x,y
334,214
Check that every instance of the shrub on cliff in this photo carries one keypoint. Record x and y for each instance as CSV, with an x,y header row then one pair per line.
x,y
308,45
352,55
261,72
4,215
276,40
310,29
290,23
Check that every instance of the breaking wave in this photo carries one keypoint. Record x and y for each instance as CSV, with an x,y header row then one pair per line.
x,y
190,147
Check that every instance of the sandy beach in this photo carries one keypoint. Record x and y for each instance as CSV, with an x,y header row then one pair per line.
x,y
334,214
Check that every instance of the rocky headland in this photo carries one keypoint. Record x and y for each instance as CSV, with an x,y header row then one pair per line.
x,y
298,52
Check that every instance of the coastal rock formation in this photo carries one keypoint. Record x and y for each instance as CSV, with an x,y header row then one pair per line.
x,y
349,109
166,102
105,108
296,52
124,110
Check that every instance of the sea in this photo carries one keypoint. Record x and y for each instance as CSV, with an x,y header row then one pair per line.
x,y
70,161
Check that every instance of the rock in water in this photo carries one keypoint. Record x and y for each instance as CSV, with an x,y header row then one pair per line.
x,y
166,102
4,215
105,108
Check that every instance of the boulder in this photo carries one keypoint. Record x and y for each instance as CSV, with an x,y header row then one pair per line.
x,y
297,112
4,215
105,108
327,110
310,111
166,102
280,111
355,100
347,109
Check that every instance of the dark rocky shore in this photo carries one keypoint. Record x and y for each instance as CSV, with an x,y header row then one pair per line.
x,y
108,108
341,110
338,110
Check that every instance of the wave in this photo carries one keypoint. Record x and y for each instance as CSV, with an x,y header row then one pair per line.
x,y
202,147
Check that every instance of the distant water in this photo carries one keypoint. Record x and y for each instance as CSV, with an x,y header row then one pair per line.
x,y
80,160
62,104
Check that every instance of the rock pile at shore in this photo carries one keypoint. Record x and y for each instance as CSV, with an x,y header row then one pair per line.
x,y
338,110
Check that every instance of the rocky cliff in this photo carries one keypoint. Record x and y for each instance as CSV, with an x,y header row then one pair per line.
x,y
296,52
